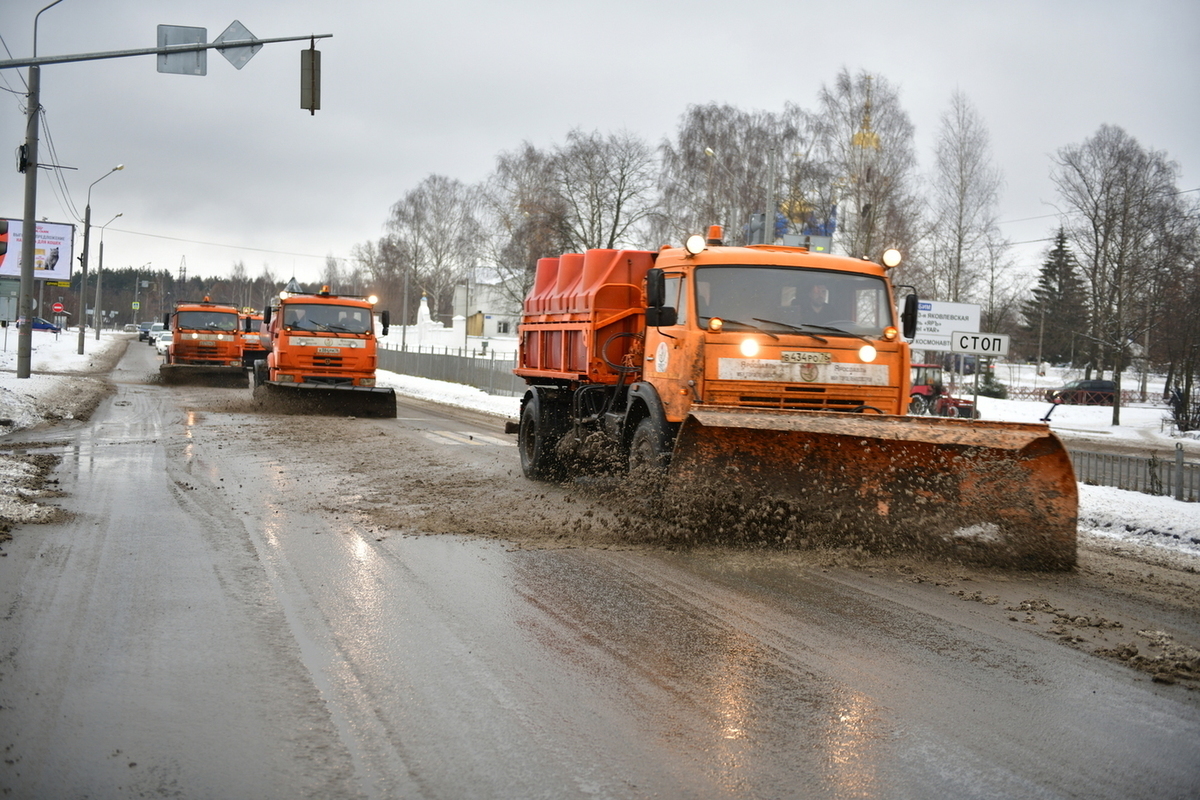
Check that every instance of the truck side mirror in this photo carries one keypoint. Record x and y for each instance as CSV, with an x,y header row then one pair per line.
x,y
167,320
658,313
266,316
656,288
385,318
661,317
908,319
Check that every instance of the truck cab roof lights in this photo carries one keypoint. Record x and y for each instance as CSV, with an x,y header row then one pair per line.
x,y
716,236
891,257
695,244
372,299
324,291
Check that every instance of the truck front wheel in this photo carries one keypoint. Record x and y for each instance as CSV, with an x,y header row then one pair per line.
x,y
648,451
537,439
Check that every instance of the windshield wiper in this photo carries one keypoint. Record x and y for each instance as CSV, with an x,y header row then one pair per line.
x,y
728,321
796,328
839,330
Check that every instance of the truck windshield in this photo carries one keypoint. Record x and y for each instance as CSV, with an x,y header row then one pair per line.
x,y
206,321
327,317
756,296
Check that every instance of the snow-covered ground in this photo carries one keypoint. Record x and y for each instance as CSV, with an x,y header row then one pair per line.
x,y
1134,519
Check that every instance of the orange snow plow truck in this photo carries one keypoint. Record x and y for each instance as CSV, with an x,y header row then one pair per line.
x,y
760,393
321,355
205,343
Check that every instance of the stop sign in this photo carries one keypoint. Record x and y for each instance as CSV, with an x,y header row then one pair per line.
x,y
57,307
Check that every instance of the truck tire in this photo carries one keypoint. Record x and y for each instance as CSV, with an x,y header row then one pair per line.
x,y
259,373
537,440
649,454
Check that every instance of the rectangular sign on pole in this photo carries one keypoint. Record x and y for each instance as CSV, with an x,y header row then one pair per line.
x,y
52,250
194,62
980,344
937,320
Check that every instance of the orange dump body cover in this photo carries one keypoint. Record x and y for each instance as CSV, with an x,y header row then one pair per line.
x,y
583,316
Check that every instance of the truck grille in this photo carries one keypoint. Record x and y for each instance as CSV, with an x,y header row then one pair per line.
x,y
794,397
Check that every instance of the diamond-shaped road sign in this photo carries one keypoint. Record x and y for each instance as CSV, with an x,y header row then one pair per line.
x,y
238,56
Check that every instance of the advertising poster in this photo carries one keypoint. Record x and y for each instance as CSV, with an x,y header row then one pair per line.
x,y
52,253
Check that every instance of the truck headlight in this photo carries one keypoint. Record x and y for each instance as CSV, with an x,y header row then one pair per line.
x,y
867,353
749,347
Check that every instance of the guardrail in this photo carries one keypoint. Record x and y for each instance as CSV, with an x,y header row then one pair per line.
x,y
490,372
1170,477
1128,396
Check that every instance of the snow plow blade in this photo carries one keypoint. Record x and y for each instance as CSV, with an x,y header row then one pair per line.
x,y
201,375
998,493
319,398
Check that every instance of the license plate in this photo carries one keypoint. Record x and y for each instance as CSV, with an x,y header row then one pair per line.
x,y
328,351
805,357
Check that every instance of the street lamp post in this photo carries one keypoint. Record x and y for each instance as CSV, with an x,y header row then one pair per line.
x,y
87,230
99,273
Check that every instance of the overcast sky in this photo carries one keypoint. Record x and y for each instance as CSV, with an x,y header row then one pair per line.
x,y
227,167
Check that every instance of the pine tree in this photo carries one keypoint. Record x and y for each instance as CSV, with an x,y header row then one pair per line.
x,y
1058,311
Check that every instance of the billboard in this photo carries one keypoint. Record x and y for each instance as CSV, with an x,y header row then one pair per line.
x,y
936,322
52,251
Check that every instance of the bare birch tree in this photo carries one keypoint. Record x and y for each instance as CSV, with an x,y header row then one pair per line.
x,y
436,226
606,185
866,139
1116,195
964,193
524,218
725,161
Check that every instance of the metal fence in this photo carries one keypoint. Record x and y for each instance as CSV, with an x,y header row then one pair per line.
x,y
1171,477
490,372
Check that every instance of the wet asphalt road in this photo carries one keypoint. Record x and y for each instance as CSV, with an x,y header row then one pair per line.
x,y
213,622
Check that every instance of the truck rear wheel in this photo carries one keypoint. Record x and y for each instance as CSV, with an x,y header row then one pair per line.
x,y
537,441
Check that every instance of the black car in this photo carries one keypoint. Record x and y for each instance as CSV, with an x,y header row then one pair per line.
x,y
144,330
1084,393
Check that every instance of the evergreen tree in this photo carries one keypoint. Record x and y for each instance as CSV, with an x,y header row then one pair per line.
x,y
1058,308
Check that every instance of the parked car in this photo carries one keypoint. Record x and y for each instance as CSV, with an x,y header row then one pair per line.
x,y
40,324
1084,393
130,328
162,341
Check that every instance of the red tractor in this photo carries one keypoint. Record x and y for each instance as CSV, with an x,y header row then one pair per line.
x,y
929,397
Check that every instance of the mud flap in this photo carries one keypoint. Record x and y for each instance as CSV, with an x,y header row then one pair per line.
x,y
999,493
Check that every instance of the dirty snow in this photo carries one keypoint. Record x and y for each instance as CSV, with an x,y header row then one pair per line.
x,y
1131,518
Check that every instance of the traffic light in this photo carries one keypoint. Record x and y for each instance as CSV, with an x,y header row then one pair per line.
x,y
310,79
